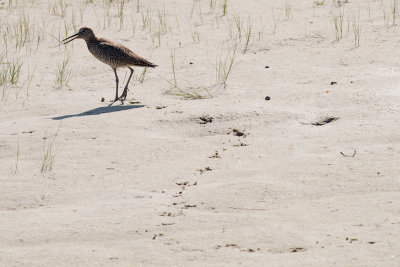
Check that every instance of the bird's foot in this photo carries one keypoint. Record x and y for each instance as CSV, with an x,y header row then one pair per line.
x,y
124,94
113,101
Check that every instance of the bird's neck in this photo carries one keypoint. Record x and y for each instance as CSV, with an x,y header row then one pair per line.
x,y
92,40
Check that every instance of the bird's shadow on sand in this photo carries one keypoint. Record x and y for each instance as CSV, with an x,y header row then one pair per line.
x,y
98,111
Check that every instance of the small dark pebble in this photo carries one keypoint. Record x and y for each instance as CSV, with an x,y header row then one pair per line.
x,y
351,81
267,98
237,132
333,83
191,63
102,99
267,67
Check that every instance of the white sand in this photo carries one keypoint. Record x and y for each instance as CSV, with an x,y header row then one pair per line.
x,y
281,195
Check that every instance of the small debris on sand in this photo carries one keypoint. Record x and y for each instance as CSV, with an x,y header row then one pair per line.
x,y
236,132
324,120
206,119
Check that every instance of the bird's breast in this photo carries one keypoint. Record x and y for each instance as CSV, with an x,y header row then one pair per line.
x,y
104,55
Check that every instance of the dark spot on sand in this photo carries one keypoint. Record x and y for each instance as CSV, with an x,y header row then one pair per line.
x,y
296,249
236,132
324,120
206,119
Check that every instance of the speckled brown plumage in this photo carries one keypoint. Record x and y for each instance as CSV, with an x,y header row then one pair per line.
x,y
113,54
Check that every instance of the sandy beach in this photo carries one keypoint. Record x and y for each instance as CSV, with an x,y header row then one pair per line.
x,y
268,135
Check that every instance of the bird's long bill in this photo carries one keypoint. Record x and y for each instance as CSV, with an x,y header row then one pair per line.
x,y
73,38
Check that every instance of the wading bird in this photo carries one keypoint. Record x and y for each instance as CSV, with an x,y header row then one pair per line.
x,y
113,54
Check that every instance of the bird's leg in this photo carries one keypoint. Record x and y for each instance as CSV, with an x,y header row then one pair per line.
x,y
123,96
116,88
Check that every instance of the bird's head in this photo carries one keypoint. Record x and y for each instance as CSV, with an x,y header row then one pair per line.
x,y
83,33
